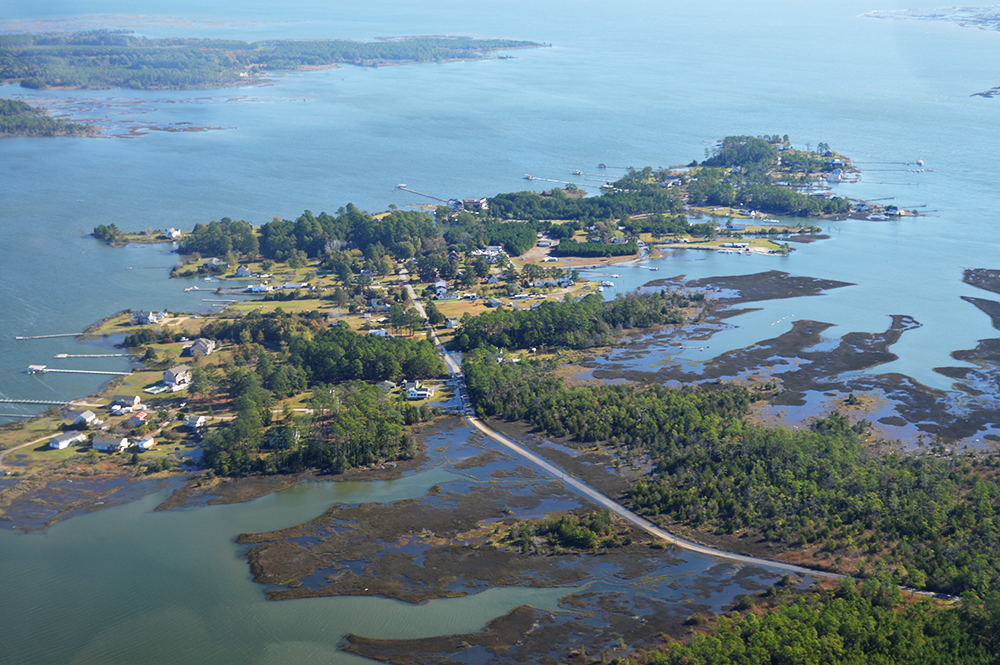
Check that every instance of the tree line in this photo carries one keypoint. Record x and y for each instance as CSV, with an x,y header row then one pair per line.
x,y
588,322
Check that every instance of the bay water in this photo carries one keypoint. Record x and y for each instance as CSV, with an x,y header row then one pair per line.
x,y
647,83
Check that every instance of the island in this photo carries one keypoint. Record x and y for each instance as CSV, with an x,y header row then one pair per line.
x,y
19,118
105,59
335,358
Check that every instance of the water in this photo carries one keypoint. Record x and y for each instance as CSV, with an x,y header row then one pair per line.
x,y
646,84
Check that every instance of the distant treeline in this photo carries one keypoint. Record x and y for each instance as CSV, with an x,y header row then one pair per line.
x,y
585,323
101,59
19,118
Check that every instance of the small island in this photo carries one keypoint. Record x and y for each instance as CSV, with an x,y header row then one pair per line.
x,y
21,119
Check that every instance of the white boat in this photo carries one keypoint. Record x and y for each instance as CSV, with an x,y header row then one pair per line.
x,y
607,283
616,276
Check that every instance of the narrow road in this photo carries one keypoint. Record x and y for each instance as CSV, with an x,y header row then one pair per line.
x,y
602,500
588,491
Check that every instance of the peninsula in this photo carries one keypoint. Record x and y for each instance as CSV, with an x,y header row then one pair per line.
x,y
105,59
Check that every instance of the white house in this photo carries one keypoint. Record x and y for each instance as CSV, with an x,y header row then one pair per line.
x,y
172,233
60,441
146,442
243,271
177,376
87,417
379,332
195,422
111,444
419,393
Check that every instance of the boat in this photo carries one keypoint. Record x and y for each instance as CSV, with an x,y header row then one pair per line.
x,y
528,176
577,172
601,289
607,283
616,276
602,165
192,288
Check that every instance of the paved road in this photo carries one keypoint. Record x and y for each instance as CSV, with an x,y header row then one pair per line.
x,y
606,501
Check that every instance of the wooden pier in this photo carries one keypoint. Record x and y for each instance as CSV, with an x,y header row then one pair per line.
x,y
48,336
42,369
90,355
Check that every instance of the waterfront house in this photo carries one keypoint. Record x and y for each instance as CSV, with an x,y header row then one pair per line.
x,y
110,444
66,439
172,234
177,376
216,264
243,271
83,417
260,288
126,401
411,385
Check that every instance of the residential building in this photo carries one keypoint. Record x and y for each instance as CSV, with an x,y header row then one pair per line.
x,y
66,439
177,376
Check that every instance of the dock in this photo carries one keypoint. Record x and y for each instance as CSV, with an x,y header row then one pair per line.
x,y
48,336
42,369
90,355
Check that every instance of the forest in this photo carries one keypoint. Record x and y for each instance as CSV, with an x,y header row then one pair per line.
x,y
103,59
585,323
928,520
19,118
855,624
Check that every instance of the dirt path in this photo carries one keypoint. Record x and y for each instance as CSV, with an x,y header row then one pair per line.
x,y
15,448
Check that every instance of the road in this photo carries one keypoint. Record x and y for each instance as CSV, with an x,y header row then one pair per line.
x,y
607,502
586,490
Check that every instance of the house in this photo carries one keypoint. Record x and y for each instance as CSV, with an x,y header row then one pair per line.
x,y
411,385
294,285
172,234
139,419
110,444
195,422
216,264
83,417
492,279
493,302
146,442
126,400
177,376
448,295
199,347
418,393
243,271
66,439
146,317
260,288
440,287
451,324
379,332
